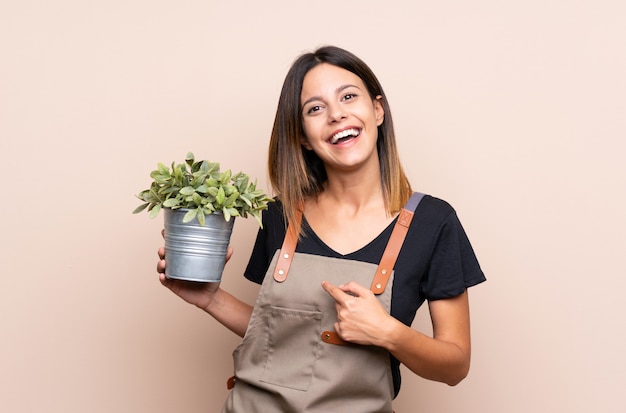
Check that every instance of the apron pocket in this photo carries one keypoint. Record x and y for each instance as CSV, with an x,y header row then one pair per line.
x,y
293,346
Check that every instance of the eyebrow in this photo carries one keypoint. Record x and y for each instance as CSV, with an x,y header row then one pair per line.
x,y
338,90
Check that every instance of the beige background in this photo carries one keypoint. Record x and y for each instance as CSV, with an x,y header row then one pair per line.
x,y
514,112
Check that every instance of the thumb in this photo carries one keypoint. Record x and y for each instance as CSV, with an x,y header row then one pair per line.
x,y
229,253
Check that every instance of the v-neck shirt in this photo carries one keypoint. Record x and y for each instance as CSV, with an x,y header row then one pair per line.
x,y
359,254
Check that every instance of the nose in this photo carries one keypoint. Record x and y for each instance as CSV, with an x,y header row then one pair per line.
x,y
336,113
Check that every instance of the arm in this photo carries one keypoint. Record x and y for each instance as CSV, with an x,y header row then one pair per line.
x,y
230,311
445,357
225,308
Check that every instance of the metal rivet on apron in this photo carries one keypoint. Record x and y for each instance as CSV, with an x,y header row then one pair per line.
x,y
286,256
378,286
281,272
326,336
384,271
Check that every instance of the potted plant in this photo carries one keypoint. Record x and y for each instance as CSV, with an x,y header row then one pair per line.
x,y
200,203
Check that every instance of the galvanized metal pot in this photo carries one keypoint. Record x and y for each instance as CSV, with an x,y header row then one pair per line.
x,y
194,252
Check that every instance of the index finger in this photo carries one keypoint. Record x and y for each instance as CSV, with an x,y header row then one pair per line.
x,y
334,291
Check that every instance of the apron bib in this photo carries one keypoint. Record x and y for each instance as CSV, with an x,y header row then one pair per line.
x,y
290,359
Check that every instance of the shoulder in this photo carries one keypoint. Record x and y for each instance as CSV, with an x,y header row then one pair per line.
x,y
433,210
432,203
274,228
438,248
434,220
275,207
268,239
273,216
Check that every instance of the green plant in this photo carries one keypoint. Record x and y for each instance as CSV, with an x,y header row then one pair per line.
x,y
201,187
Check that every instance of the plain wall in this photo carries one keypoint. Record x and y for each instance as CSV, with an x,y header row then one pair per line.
x,y
514,112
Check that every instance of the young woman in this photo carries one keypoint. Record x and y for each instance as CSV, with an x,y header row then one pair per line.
x,y
346,256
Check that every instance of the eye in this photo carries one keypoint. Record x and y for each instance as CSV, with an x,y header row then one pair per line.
x,y
312,109
349,96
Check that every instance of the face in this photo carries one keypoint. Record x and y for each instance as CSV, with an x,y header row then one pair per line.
x,y
339,118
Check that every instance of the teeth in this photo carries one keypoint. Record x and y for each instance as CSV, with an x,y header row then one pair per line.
x,y
344,134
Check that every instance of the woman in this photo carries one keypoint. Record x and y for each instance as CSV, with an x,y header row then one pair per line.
x,y
331,324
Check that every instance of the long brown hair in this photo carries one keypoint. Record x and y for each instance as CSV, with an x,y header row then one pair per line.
x,y
296,173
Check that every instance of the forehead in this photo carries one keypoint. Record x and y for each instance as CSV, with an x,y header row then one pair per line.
x,y
326,79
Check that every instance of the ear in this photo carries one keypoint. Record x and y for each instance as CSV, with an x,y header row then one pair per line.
x,y
379,110
305,142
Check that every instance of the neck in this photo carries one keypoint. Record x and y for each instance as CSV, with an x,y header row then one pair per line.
x,y
353,191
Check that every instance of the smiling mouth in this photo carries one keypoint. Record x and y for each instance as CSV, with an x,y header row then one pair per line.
x,y
344,135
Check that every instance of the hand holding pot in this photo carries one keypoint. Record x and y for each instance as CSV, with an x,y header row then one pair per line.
x,y
199,294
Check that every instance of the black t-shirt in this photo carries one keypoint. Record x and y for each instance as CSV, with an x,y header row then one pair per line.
x,y
436,260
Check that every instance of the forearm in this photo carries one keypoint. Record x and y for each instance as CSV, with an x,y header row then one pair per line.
x,y
233,313
430,358
445,357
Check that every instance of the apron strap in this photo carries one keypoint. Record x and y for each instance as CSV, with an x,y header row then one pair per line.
x,y
383,272
381,278
288,249
286,252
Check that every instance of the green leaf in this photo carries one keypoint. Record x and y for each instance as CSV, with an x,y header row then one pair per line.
x,y
241,180
226,176
190,215
189,159
155,211
257,215
229,189
167,191
171,202
230,201
198,179
197,199
178,174
140,208
246,198
213,169
204,167
221,196
163,170
143,194
232,212
162,179
188,190
152,196
201,219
